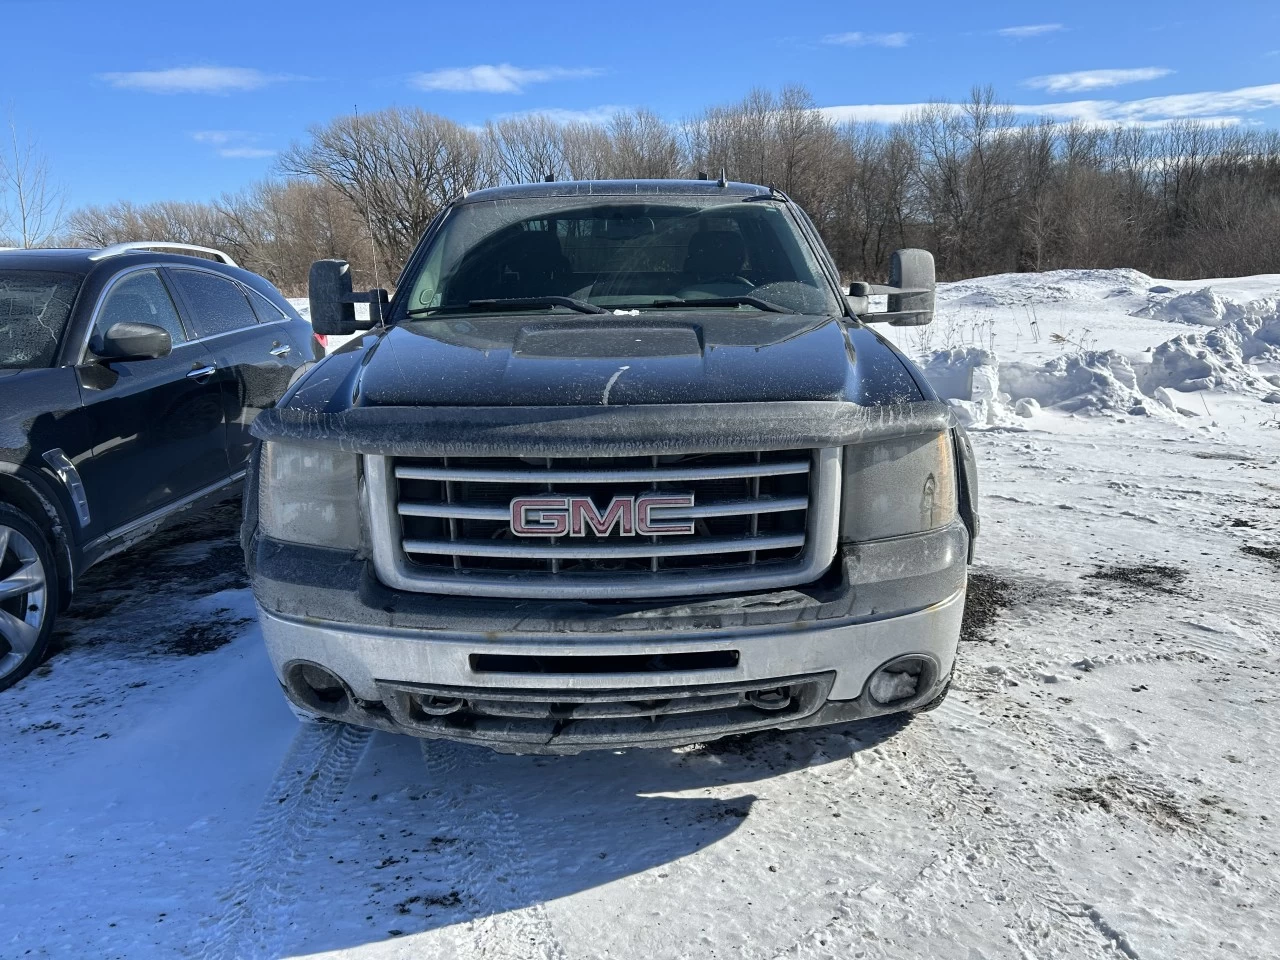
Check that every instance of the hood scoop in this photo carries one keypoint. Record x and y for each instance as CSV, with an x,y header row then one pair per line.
x,y
606,341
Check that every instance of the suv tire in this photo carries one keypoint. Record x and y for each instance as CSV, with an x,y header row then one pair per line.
x,y
26,618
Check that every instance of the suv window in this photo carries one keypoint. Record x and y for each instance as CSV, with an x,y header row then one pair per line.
x,y
217,304
34,305
140,298
267,311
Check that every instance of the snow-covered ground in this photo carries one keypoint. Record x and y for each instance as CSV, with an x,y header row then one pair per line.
x,y
1100,783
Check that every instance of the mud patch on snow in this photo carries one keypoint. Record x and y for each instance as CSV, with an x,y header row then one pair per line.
x,y
1265,553
1154,577
1115,795
451,899
987,598
202,550
202,637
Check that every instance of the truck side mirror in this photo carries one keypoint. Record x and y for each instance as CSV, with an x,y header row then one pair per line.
x,y
333,311
911,291
912,273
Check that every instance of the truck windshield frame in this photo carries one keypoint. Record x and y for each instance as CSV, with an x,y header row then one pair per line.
x,y
618,253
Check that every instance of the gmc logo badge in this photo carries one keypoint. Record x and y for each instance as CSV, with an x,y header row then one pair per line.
x,y
552,516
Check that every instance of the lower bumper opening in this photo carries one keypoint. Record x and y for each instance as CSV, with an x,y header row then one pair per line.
x,y
586,719
625,663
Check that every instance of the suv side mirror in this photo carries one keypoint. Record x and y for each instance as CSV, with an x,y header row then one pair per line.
x,y
333,311
133,341
911,291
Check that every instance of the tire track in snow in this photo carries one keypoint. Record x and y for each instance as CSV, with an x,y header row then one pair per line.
x,y
987,854
496,878
267,878
1148,793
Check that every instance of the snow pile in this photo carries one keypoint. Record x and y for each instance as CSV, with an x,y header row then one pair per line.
x,y
985,392
1085,382
968,378
1055,286
1204,307
1219,358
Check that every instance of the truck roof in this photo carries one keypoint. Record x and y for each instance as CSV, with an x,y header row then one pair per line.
x,y
618,188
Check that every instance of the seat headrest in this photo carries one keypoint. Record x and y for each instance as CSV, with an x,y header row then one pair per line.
x,y
715,253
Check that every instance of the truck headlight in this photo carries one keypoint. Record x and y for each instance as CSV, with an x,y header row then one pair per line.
x,y
898,487
309,496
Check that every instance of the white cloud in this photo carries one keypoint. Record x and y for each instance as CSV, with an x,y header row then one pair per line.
x,y
859,39
1094,79
233,144
194,80
499,78
1220,108
870,112
1031,30
1209,104
246,153
596,116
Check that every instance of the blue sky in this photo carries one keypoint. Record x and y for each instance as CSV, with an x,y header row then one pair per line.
x,y
165,100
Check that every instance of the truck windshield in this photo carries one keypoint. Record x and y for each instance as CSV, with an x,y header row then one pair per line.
x,y
34,306
620,255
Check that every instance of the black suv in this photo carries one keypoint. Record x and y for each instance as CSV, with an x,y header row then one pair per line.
x,y
129,377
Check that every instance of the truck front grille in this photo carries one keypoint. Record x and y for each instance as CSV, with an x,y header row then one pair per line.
x,y
758,520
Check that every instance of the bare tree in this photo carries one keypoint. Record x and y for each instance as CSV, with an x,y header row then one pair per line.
x,y
398,167
31,202
526,149
985,193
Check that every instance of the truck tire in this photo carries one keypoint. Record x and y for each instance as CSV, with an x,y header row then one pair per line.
x,y
28,595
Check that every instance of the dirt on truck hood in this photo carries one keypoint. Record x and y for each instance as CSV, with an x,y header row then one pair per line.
x,y
712,357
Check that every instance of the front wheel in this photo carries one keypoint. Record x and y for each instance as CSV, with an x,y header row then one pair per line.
x,y
28,595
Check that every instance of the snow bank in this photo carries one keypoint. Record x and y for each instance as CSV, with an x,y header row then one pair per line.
x,y
1204,307
1087,381
1233,346
1054,286
1219,358
985,392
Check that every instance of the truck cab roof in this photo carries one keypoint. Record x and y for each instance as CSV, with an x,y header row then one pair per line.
x,y
621,188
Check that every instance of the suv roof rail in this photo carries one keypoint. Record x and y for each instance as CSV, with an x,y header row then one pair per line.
x,y
118,248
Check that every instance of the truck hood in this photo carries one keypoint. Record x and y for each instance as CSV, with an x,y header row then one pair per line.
x,y
710,357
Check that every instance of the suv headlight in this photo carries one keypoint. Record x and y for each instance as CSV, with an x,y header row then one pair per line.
x,y
897,487
309,496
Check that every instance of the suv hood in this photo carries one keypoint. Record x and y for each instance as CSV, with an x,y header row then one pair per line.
x,y
710,357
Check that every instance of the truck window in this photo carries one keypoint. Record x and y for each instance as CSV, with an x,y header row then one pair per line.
x,y
619,254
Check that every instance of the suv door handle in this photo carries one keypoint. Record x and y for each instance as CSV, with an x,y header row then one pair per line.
x,y
200,373
281,351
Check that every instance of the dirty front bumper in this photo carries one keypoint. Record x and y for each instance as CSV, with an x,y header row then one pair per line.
x,y
561,677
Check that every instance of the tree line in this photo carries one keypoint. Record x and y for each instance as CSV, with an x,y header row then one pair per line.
x,y
969,181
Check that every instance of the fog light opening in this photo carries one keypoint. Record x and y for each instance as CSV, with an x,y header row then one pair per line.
x,y
900,680
317,688
773,700
439,706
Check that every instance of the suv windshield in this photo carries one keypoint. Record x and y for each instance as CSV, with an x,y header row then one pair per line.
x,y
34,306
617,254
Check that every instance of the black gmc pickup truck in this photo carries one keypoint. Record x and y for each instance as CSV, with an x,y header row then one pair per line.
x,y
620,464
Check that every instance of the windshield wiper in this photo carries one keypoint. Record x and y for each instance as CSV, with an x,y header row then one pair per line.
x,y
743,301
511,303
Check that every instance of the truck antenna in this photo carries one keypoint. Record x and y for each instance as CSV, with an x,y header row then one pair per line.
x,y
368,224
724,182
